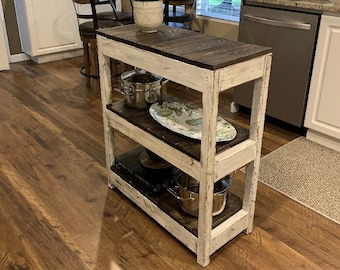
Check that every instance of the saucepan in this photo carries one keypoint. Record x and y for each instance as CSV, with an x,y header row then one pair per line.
x,y
141,88
187,193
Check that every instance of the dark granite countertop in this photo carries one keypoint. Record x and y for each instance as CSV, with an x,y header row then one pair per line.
x,y
331,7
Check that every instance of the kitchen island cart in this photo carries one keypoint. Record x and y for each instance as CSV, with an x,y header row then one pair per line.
x,y
209,65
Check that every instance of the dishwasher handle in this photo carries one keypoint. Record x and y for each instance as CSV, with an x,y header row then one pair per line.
x,y
263,20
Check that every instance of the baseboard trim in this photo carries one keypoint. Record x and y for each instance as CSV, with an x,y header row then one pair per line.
x,y
45,58
18,57
323,139
56,56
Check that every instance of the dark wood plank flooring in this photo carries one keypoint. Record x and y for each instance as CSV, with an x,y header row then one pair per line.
x,y
57,212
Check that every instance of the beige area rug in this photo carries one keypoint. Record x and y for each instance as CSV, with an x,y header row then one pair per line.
x,y
306,172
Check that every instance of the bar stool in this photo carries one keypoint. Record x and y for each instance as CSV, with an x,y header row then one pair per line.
x,y
117,67
178,13
121,16
88,23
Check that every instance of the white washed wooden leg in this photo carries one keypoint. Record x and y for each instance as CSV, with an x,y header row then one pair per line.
x,y
260,95
106,96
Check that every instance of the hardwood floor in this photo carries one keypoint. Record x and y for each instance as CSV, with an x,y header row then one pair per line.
x,y
57,212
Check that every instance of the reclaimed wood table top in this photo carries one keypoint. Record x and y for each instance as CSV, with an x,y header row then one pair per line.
x,y
194,48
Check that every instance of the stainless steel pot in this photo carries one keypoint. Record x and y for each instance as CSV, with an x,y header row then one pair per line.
x,y
141,88
188,194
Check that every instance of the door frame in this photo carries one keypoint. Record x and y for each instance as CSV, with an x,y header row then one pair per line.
x,y
4,46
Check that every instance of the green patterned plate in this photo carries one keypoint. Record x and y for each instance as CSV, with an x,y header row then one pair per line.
x,y
186,119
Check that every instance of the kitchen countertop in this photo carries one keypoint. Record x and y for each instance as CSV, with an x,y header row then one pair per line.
x,y
331,7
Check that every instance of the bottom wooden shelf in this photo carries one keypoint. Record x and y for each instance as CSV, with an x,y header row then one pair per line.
x,y
153,186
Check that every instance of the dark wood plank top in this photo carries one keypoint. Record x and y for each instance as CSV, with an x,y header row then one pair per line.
x,y
187,46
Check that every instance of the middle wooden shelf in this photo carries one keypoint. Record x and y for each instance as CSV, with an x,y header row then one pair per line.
x,y
178,147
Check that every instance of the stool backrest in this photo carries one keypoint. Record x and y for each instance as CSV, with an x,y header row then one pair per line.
x,y
88,10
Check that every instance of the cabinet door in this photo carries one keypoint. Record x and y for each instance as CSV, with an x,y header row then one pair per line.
x,y
47,26
323,109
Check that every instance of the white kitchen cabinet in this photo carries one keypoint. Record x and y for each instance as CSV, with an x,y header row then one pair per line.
x,y
323,107
48,29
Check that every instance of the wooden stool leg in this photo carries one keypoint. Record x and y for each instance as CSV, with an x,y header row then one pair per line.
x,y
114,67
123,67
94,66
86,61
118,67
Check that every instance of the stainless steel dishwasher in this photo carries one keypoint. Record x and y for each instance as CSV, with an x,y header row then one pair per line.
x,y
292,36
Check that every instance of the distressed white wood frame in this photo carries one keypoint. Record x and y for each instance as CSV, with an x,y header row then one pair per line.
x,y
211,166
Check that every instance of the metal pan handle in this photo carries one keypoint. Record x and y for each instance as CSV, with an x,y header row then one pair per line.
x,y
174,193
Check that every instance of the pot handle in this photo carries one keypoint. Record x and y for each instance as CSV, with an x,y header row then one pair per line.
x,y
163,82
119,90
177,196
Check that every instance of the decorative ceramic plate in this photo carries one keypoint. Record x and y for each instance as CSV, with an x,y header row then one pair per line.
x,y
186,119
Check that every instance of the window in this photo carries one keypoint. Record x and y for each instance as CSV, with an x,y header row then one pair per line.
x,y
219,9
